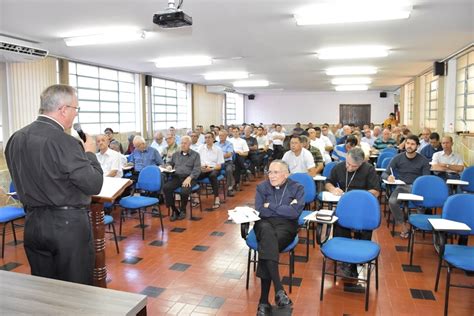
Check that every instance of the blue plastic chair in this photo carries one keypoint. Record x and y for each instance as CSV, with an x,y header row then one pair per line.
x,y
252,243
109,221
149,182
309,197
384,154
390,149
195,189
356,210
435,192
468,175
459,208
9,214
326,173
220,179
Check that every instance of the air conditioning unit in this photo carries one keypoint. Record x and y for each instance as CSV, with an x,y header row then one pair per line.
x,y
17,51
219,89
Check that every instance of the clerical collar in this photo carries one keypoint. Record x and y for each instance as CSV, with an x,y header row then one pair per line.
x,y
184,153
278,187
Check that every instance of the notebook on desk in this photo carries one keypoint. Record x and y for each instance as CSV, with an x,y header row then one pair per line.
x,y
243,214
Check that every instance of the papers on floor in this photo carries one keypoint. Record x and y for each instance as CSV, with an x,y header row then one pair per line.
x,y
243,214
396,182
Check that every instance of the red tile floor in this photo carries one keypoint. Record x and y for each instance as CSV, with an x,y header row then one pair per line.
x,y
200,270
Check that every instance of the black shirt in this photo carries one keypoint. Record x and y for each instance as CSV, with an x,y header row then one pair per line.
x,y
364,178
50,167
407,169
251,141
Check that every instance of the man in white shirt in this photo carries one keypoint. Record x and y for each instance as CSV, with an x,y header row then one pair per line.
x,y
321,142
115,146
424,139
298,158
368,138
195,144
447,164
200,132
327,132
159,143
109,160
278,137
263,144
241,150
212,160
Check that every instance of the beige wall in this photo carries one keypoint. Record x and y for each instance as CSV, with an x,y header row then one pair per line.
x,y
207,107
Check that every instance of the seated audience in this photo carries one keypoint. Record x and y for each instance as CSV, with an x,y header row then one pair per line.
x,y
115,146
109,160
447,164
385,141
390,121
241,150
340,152
424,139
143,156
299,159
229,167
321,142
172,131
315,152
407,167
327,132
200,131
212,160
159,143
433,147
110,136
354,174
171,147
280,202
254,155
187,165
346,131
368,138
278,137
130,147
195,144
377,132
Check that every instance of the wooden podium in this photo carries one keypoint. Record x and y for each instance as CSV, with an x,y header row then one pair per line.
x,y
112,188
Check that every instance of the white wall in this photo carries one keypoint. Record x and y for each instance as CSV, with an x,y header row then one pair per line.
x,y
317,107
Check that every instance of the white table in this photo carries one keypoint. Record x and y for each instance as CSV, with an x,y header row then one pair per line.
x,y
441,224
31,295
409,197
457,182
319,178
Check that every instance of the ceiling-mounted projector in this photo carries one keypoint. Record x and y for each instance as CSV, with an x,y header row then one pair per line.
x,y
172,17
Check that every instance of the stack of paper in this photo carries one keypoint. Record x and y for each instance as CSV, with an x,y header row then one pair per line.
x,y
324,215
329,197
396,182
243,214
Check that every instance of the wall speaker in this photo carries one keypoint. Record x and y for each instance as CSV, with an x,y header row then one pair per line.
x,y
148,80
383,94
439,68
251,96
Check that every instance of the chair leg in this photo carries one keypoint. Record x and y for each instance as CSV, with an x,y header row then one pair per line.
x,y
121,220
3,239
367,290
248,269
411,244
307,244
335,271
440,261
376,273
322,279
446,297
141,216
115,237
161,218
14,233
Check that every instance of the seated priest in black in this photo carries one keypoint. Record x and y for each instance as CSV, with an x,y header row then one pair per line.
x,y
353,174
280,202
187,165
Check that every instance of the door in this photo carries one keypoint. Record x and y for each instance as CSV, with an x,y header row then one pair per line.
x,y
357,114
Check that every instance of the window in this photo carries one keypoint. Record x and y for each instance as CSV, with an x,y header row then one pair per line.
x,y
234,108
431,100
465,93
409,102
107,98
171,104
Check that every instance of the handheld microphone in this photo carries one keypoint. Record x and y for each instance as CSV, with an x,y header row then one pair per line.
x,y
78,129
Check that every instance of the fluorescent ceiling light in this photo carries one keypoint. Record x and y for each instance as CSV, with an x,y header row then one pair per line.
x,y
352,88
352,52
251,83
226,75
351,80
182,61
356,70
117,36
352,11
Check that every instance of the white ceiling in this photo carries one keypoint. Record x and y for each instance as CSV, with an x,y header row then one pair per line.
x,y
262,33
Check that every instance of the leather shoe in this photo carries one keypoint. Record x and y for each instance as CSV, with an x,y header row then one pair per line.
x,y
181,215
173,216
282,299
264,309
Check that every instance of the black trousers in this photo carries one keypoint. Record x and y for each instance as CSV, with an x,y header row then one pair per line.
x,y
278,152
273,235
340,231
174,182
239,163
212,179
59,244
256,159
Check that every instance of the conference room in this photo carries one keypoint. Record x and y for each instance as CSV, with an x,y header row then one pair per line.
x,y
216,100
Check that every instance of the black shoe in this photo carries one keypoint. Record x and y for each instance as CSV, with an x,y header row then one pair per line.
x,y
181,215
264,309
282,299
173,216
230,193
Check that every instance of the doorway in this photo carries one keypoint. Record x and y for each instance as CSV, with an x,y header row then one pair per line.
x,y
357,114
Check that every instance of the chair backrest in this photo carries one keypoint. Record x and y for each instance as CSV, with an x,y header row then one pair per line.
x,y
149,179
328,167
433,189
460,208
359,210
386,162
308,183
468,175
384,154
390,149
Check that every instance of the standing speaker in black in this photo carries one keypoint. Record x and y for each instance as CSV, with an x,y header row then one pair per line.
x,y
148,80
383,94
251,96
439,68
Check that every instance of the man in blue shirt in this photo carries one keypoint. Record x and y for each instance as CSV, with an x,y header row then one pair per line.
x,y
340,151
143,156
229,167
433,147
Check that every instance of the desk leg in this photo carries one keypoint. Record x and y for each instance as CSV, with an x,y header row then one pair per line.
x,y
98,229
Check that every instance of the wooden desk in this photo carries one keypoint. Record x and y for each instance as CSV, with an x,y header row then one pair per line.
x,y
31,295
111,190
